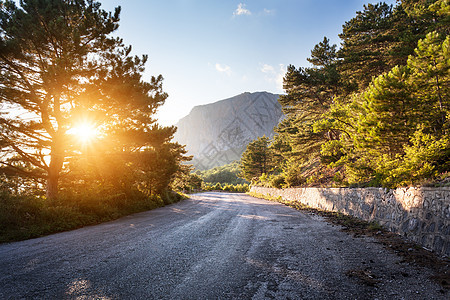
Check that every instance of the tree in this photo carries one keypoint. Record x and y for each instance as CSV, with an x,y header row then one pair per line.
x,y
375,110
365,39
402,130
432,15
309,93
390,116
60,67
256,159
430,68
226,174
379,38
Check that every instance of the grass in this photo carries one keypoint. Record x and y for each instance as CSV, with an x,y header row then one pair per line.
x,y
25,217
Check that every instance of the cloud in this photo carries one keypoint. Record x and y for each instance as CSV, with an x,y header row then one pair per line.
x,y
280,77
241,10
223,69
269,11
274,75
267,69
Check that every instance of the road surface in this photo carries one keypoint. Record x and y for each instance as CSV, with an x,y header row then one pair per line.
x,y
212,246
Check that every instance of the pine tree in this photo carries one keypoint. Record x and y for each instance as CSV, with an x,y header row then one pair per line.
x,y
309,93
59,67
430,68
402,131
256,159
379,38
429,15
390,113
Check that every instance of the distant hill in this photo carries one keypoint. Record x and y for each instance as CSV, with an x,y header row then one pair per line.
x,y
218,133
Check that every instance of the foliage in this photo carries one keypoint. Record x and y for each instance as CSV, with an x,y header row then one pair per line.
x,y
379,38
29,216
425,157
376,112
238,188
256,159
62,69
223,174
188,182
310,91
402,136
366,41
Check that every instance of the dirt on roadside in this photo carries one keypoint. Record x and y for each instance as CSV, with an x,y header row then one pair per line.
x,y
409,251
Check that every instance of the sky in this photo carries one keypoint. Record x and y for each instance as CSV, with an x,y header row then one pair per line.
x,y
209,50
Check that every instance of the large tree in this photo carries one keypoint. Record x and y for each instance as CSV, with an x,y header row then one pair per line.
x,y
382,36
309,93
60,69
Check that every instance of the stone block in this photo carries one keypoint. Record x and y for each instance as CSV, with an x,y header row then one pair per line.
x,y
438,244
431,227
413,224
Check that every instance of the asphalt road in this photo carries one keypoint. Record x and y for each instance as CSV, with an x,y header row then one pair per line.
x,y
212,246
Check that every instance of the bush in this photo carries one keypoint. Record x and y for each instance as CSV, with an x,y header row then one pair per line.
x,y
238,188
26,216
277,181
217,187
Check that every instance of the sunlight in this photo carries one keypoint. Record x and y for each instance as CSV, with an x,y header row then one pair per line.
x,y
85,132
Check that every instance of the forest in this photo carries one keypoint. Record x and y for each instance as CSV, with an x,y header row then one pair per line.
x,y
373,112
79,142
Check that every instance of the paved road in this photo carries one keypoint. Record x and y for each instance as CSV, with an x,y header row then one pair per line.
x,y
212,246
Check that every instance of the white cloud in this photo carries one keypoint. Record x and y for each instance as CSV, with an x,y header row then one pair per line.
x,y
273,75
267,69
223,69
280,76
241,10
269,11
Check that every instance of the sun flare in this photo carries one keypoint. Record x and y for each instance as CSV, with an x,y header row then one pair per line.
x,y
85,132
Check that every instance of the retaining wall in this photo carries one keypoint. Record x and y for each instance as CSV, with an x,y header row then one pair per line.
x,y
420,214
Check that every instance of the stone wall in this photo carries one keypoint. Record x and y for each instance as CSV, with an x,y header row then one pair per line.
x,y
420,214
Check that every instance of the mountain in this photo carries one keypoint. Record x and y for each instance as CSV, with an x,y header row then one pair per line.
x,y
218,133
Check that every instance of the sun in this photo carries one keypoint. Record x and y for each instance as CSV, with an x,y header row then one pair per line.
x,y
84,132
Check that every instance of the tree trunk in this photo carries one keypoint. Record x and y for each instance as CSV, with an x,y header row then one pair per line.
x,y
56,163
52,186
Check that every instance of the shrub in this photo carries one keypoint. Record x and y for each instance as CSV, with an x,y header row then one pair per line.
x,y
277,181
26,216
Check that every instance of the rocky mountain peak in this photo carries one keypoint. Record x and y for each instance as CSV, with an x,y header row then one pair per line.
x,y
217,133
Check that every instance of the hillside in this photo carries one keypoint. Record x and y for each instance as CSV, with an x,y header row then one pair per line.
x,y
217,133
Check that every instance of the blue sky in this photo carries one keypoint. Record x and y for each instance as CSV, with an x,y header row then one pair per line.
x,y
210,50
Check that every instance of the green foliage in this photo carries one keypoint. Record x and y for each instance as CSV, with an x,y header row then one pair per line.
x,y
277,181
430,67
223,174
238,188
28,216
293,177
332,152
388,119
377,116
426,157
365,39
310,91
377,39
271,180
432,14
402,136
256,159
